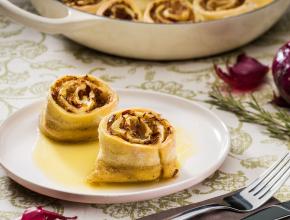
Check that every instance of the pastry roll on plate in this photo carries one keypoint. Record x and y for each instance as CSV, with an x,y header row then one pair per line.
x,y
217,9
169,11
89,6
120,9
135,145
75,107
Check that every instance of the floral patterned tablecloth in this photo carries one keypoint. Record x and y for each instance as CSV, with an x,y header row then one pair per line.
x,y
30,61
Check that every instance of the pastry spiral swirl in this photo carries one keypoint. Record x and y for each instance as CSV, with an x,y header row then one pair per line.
x,y
120,9
75,106
218,9
169,11
89,6
135,145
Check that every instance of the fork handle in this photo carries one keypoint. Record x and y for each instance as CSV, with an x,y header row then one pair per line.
x,y
188,214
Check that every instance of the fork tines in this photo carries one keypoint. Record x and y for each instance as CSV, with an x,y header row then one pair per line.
x,y
272,179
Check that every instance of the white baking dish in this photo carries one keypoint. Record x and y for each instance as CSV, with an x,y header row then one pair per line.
x,y
148,41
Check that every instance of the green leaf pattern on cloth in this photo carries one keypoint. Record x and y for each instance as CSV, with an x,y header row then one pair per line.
x,y
40,88
240,140
283,194
21,49
171,88
22,198
51,65
139,209
258,162
4,215
11,91
222,181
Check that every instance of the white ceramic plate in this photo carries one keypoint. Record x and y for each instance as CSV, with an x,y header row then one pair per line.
x,y
19,133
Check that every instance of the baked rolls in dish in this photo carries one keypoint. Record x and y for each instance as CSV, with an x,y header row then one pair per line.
x,y
217,9
142,4
135,145
75,107
169,11
120,9
89,6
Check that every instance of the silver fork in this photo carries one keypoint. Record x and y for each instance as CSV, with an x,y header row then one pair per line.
x,y
251,197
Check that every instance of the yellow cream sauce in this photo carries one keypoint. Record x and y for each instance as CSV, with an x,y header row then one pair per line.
x,y
69,164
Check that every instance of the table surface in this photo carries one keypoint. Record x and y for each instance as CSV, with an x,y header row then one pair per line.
x,y
30,61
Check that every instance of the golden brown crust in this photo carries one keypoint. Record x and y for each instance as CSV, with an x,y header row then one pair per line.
x,y
218,9
75,107
139,127
218,5
80,2
135,145
120,9
89,6
169,11
79,94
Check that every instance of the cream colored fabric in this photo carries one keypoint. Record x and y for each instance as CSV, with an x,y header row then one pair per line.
x,y
50,56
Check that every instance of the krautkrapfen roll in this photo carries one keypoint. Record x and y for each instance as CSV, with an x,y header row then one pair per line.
x,y
89,6
120,9
217,9
75,107
135,145
169,11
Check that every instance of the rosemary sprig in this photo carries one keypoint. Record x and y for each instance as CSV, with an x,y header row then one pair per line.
x,y
277,123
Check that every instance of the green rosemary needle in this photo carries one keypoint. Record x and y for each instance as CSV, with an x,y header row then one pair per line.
x,y
276,123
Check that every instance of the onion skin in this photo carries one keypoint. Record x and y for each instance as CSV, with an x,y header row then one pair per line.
x,y
245,75
37,213
281,71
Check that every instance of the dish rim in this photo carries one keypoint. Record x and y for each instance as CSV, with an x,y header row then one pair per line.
x,y
166,188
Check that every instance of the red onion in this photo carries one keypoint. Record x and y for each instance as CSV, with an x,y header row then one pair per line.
x,y
246,74
281,72
37,213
